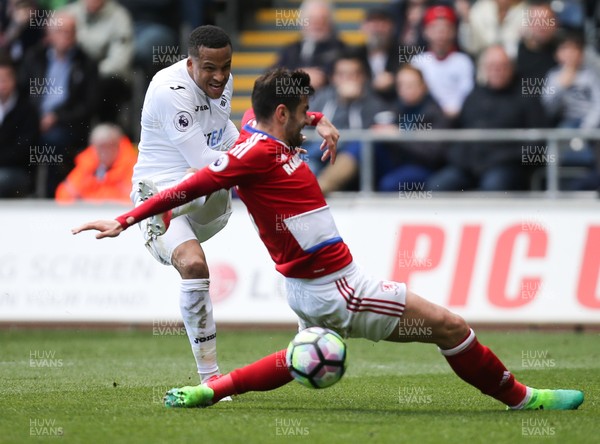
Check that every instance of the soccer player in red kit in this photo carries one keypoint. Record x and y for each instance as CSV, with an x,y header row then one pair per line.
x,y
324,286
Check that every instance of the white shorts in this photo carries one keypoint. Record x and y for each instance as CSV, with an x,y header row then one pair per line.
x,y
348,302
200,224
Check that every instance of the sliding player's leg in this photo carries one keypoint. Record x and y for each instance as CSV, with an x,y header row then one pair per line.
x,y
476,364
316,302
265,374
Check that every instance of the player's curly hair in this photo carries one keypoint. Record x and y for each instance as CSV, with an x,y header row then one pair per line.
x,y
279,86
209,36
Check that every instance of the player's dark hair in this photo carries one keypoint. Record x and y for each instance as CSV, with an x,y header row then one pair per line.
x,y
208,36
279,86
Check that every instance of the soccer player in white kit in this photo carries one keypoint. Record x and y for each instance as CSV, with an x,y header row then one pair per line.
x,y
186,126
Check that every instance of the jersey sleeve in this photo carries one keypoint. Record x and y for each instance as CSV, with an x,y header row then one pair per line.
x,y
230,136
175,108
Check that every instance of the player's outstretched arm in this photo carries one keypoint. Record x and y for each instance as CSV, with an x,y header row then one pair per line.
x,y
330,135
107,228
199,184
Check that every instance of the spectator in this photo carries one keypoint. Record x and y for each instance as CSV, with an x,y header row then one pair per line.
x,y
103,170
380,52
572,93
496,104
18,133
62,83
349,104
492,22
105,32
449,73
21,27
319,46
410,164
409,23
535,53
155,27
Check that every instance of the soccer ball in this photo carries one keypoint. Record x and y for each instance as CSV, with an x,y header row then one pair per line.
x,y
316,357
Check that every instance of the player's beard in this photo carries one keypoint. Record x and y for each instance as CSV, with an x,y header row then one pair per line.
x,y
294,138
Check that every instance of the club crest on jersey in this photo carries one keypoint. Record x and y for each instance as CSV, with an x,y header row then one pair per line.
x,y
182,121
220,164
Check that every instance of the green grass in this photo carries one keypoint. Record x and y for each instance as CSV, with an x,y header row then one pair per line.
x,y
105,387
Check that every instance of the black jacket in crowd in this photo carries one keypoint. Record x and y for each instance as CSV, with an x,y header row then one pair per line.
x,y
486,108
19,132
77,111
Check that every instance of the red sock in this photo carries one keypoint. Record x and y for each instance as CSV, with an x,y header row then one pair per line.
x,y
480,367
267,373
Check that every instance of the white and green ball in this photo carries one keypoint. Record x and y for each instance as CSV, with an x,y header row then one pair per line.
x,y
316,357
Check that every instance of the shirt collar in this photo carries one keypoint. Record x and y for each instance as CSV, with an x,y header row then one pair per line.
x,y
254,130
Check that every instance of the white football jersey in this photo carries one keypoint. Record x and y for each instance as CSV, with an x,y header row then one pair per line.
x,y
181,126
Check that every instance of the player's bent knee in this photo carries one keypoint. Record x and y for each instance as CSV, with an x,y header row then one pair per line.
x,y
191,267
455,328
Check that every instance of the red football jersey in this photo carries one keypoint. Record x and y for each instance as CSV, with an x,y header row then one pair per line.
x,y
282,196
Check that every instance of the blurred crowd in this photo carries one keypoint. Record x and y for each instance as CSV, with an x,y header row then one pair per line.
x,y
482,64
66,83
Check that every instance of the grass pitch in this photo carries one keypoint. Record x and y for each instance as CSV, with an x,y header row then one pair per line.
x,y
106,387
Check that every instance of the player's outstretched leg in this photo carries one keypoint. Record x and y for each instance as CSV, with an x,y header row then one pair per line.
x,y
190,396
543,399
265,374
473,362
155,225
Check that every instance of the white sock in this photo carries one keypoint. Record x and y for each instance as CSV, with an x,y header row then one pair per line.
x,y
196,310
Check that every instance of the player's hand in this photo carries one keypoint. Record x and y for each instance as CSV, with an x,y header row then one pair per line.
x,y
330,135
107,228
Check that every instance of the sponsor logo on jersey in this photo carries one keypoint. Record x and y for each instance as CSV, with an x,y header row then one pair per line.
x,y
182,121
223,102
201,107
214,138
175,88
220,164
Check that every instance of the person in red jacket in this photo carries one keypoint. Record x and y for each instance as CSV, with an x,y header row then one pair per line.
x,y
103,170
